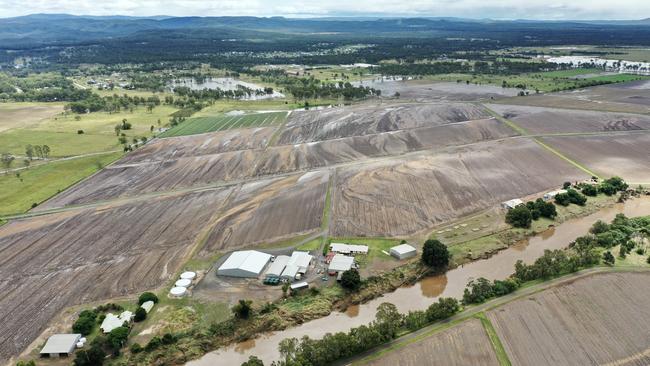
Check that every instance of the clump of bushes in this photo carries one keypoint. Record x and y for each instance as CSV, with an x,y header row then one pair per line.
x,y
571,196
147,296
523,215
351,280
85,323
481,289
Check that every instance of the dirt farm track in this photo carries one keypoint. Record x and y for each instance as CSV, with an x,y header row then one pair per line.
x,y
392,168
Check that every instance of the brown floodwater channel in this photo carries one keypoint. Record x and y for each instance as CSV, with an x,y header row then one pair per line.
x,y
426,291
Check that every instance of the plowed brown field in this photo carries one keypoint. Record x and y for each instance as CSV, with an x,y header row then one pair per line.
x,y
464,344
272,210
627,156
599,320
402,197
538,120
49,263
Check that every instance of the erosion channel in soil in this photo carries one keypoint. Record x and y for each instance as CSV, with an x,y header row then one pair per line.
x,y
423,293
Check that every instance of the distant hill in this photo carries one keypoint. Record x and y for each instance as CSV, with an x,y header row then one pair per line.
x,y
61,29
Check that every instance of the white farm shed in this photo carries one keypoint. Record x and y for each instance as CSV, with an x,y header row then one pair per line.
x,y
290,272
403,251
60,345
512,203
341,263
147,306
348,248
112,321
276,268
300,260
552,194
246,263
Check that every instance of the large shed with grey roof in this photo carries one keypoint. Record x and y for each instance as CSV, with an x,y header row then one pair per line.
x,y
245,263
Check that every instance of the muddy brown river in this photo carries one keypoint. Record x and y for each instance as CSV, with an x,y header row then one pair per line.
x,y
426,291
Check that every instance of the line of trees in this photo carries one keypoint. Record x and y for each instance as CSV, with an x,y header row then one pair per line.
x,y
333,347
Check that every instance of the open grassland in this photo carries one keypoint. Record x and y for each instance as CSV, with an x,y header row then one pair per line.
x,y
51,262
601,319
60,132
464,344
332,123
21,115
224,122
537,120
627,156
541,81
34,185
405,196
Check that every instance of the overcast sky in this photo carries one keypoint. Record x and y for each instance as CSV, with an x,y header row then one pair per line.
x,y
497,9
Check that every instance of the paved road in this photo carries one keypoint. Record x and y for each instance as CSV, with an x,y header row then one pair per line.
x,y
471,311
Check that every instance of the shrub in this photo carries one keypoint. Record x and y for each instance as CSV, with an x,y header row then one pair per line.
x,y
154,343
117,337
136,348
85,323
519,216
351,280
415,320
435,254
608,258
93,356
243,309
140,315
147,296
589,190
443,309
253,361
168,338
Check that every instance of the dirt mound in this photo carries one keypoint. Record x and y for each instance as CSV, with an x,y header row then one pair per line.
x,y
402,197
268,211
367,119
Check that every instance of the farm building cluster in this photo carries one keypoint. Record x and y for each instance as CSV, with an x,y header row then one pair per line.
x,y
252,263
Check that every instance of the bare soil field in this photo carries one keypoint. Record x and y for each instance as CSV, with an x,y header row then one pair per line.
x,y
269,211
538,120
405,196
183,162
199,145
52,262
424,90
561,100
599,320
632,97
307,126
287,158
627,156
120,180
464,344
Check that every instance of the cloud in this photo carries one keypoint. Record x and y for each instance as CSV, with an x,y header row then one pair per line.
x,y
497,9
